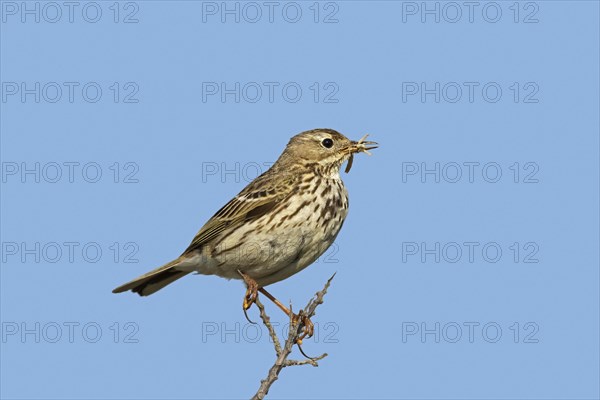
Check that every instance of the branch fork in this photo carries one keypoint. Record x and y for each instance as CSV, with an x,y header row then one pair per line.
x,y
295,333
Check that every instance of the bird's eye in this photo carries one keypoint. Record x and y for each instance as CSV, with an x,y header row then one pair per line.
x,y
327,143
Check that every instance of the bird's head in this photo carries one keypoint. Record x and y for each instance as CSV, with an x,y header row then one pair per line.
x,y
326,148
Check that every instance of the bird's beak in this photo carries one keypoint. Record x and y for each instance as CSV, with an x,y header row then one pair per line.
x,y
362,146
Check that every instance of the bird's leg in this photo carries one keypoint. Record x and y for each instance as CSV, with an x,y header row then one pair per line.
x,y
309,327
251,294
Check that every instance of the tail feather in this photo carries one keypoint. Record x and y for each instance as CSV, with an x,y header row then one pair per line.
x,y
154,280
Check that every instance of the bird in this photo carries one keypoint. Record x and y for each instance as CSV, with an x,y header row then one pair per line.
x,y
279,224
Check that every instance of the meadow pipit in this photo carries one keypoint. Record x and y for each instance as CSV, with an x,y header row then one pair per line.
x,y
278,225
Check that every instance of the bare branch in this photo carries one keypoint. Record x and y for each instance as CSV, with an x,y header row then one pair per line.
x,y
309,361
267,321
296,327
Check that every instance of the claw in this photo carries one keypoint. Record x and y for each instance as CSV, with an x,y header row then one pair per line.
x,y
250,296
308,329
248,318
303,353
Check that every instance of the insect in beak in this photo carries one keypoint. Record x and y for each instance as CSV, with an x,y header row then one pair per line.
x,y
361,146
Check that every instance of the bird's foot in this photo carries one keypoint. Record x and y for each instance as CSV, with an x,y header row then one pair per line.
x,y
308,328
300,319
251,294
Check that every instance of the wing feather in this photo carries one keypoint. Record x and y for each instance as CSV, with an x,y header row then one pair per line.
x,y
257,199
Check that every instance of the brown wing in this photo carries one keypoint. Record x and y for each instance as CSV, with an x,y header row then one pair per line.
x,y
257,199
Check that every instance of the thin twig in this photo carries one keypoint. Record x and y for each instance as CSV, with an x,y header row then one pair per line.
x,y
310,361
267,321
283,353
